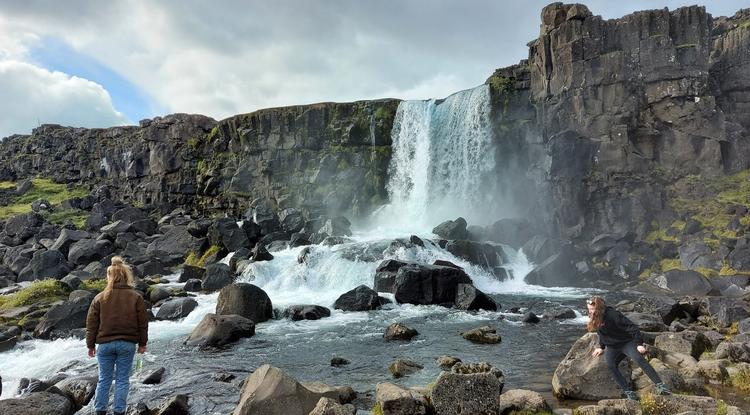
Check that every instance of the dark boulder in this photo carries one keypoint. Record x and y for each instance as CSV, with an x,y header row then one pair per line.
x,y
217,277
239,255
190,272
511,231
115,228
67,238
44,265
61,318
292,220
145,226
155,377
129,215
385,275
306,312
680,282
225,232
559,313
39,403
482,254
199,227
399,331
338,226
176,308
260,253
559,270
428,284
193,285
86,251
470,298
79,389
362,298
452,229
245,300
153,267
219,330
530,317
177,241
156,294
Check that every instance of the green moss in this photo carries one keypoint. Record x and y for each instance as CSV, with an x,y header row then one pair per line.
x,y
744,24
653,405
94,285
4,185
377,410
200,261
721,407
502,87
193,142
55,193
60,217
211,137
669,264
39,292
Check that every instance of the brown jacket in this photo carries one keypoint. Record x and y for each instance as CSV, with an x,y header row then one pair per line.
x,y
122,317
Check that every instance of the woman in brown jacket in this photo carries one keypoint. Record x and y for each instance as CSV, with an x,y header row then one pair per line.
x,y
116,321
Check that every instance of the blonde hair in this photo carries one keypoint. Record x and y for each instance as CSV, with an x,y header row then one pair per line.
x,y
117,273
597,317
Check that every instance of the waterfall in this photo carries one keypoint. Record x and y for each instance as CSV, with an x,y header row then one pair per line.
x,y
442,154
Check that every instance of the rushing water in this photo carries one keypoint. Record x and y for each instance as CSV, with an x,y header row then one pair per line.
x,y
442,155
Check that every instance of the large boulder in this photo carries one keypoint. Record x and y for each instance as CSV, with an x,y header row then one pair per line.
x,y
395,400
688,342
476,393
86,251
469,297
80,389
246,300
61,318
452,229
328,406
176,308
270,391
338,226
38,403
385,275
679,282
362,298
559,270
581,376
44,265
511,231
482,335
399,331
218,276
177,241
403,367
482,254
129,214
292,220
67,238
428,284
523,401
216,330
647,322
225,232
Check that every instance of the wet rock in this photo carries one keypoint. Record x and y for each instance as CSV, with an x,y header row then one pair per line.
x,y
260,253
176,308
403,367
428,284
560,313
190,272
224,377
176,241
193,285
470,298
219,330
338,226
149,268
86,251
531,318
246,300
523,401
362,298
339,361
217,277
39,403
482,335
447,362
80,389
385,275
399,331
455,393
581,376
292,220
225,232
452,229
176,405
154,377
156,294
479,253
394,400
306,312
511,231
63,317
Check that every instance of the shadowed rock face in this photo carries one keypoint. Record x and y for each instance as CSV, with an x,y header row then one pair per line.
x,y
591,129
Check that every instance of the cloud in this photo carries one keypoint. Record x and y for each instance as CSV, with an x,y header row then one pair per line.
x,y
32,94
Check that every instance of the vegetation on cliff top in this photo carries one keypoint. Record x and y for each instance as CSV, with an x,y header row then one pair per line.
x,y
55,193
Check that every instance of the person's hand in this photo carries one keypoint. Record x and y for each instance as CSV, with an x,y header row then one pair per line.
x,y
141,349
92,352
641,349
597,352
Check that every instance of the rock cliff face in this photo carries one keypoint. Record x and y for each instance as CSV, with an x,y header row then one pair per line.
x,y
601,120
606,114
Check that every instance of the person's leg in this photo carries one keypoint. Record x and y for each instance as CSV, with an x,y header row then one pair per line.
x,y
613,357
105,356
631,350
125,353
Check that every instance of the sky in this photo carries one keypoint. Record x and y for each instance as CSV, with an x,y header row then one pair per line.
x,y
89,63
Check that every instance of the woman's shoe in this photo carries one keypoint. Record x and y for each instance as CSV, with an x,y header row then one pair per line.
x,y
632,396
662,389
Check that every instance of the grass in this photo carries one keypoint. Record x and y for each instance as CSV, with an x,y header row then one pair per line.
x,y
721,407
651,405
94,285
39,292
194,260
75,216
55,193
4,185
377,410
741,380
687,45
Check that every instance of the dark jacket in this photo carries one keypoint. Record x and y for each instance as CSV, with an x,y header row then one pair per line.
x,y
617,330
121,317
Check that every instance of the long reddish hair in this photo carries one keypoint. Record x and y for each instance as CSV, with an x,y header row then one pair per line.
x,y
596,319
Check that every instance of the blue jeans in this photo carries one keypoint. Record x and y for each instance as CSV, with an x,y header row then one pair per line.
x,y
115,358
614,355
